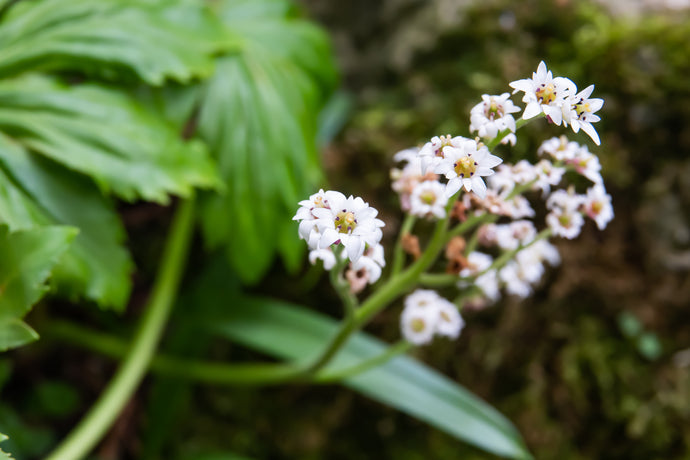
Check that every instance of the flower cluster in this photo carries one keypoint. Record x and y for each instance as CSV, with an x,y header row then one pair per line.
x,y
329,219
493,243
558,99
427,314
463,162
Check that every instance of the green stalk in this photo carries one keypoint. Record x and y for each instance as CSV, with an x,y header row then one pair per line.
x,y
93,426
187,369
363,366
398,252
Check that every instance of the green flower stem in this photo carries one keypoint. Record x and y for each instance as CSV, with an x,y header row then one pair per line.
x,y
519,123
103,413
471,222
340,284
200,371
407,279
398,252
363,366
213,373
439,280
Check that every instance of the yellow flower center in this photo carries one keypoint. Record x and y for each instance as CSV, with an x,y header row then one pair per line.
x,y
428,197
345,221
597,206
546,94
465,167
493,110
417,325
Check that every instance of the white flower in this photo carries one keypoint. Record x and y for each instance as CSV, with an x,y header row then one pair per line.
x,y
597,205
514,279
465,166
543,93
425,314
325,255
581,114
449,323
421,298
586,164
347,221
407,178
547,175
565,218
493,115
559,148
429,199
418,325
524,172
432,152
304,213
478,265
366,269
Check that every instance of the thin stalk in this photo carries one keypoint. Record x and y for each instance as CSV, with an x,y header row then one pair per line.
x,y
438,280
84,437
363,366
186,369
340,284
519,123
398,252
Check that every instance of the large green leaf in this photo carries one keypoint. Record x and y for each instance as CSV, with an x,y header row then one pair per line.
x,y
258,114
36,192
105,135
28,256
294,333
152,40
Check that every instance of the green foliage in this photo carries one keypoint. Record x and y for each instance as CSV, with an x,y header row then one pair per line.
x,y
292,333
27,258
258,114
35,192
151,40
105,135
3,455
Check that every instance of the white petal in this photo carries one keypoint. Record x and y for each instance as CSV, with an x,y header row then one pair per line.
x,y
532,110
328,237
589,129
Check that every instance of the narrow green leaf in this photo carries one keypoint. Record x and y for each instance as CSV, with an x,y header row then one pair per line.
x,y
258,115
28,256
283,330
15,333
151,40
36,193
105,135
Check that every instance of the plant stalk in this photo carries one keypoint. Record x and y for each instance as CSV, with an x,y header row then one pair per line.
x,y
93,426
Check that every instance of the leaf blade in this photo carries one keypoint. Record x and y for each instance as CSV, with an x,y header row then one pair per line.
x,y
283,330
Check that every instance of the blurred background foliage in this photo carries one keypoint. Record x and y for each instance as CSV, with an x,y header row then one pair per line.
x,y
595,365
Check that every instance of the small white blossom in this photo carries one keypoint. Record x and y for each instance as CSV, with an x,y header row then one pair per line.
x,y
547,175
418,325
492,116
432,152
425,314
559,148
335,219
486,280
565,218
305,215
325,255
581,113
429,199
449,323
465,166
597,205
587,164
406,179
544,93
